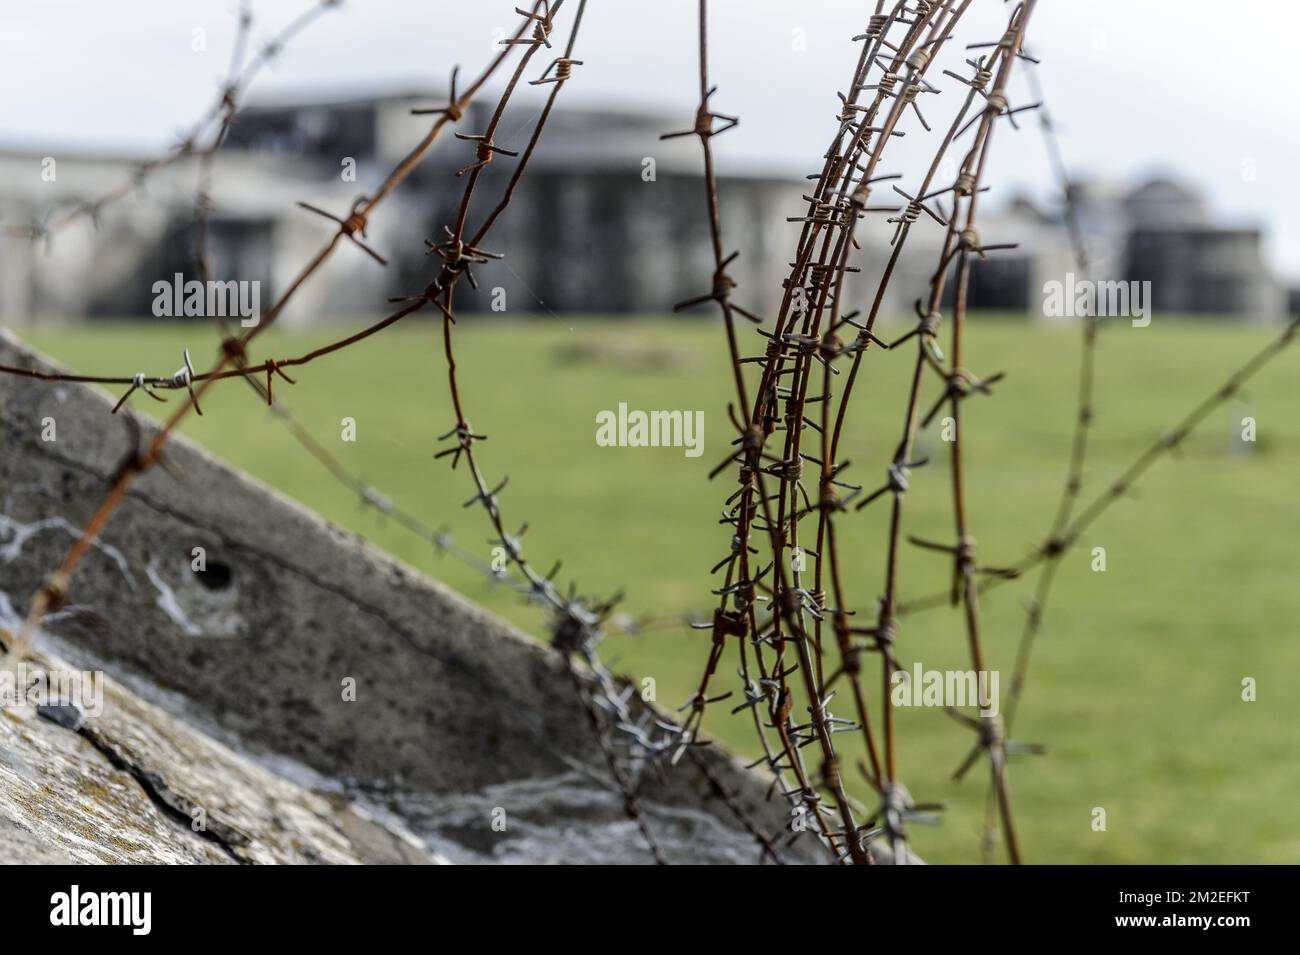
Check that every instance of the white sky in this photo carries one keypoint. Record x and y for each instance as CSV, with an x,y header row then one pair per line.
x,y
1197,88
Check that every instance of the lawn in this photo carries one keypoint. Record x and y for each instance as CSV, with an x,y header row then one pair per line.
x,y
1136,686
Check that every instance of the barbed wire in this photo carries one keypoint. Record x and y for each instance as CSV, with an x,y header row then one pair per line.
x,y
806,334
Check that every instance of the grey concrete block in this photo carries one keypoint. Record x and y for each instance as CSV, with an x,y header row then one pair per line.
x,y
454,708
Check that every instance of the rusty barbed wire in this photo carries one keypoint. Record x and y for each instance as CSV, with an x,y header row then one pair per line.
x,y
720,293
739,586
960,385
989,726
928,357
806,335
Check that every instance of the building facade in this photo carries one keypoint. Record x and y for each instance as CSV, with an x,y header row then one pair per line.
x,y
608,220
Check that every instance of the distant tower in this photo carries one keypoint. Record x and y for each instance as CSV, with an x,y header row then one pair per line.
x,y
1195,267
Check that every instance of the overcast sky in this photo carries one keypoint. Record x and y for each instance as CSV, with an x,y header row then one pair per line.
x,y
1196,88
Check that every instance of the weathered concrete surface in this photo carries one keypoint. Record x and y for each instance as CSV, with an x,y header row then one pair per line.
x,y
132,784
456,713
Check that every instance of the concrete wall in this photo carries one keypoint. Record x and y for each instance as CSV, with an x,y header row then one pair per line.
x,y
455,711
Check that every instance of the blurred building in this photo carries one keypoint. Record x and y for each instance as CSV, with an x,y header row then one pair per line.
x,y
608,219
1193,265
1158,232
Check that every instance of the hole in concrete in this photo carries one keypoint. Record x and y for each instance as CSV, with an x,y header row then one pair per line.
x,y
216,577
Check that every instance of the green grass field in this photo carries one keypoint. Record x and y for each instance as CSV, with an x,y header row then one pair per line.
x,y
1136,687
